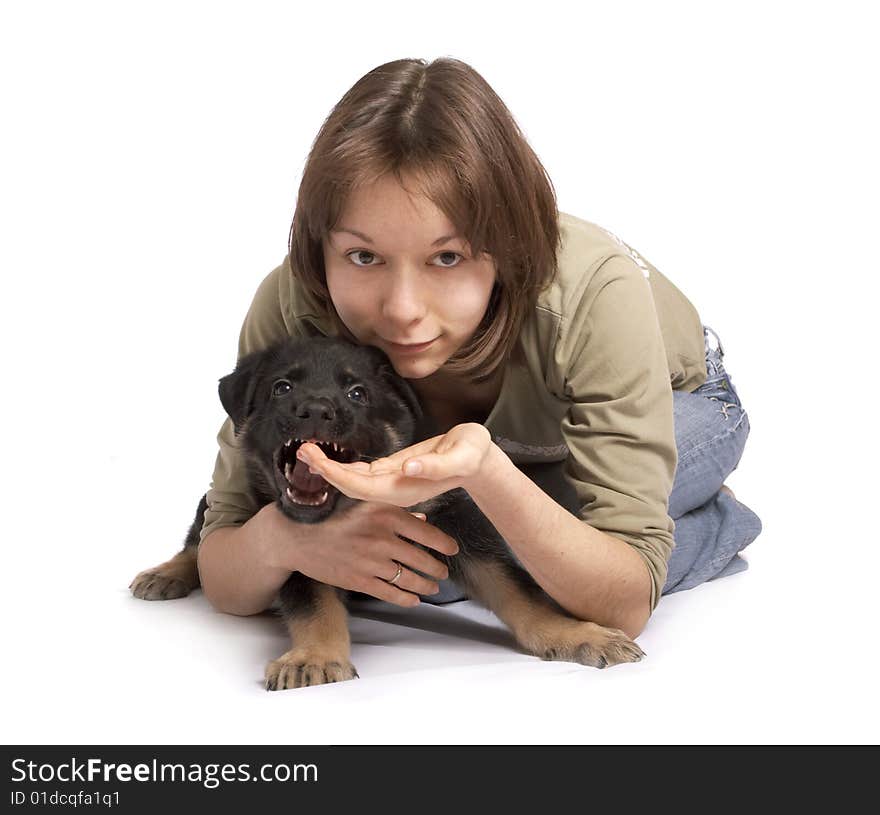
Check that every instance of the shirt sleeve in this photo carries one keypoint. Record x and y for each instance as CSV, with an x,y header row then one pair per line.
x,y
619,428
229,502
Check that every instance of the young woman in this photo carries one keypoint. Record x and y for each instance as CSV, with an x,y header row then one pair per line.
x,y
580,401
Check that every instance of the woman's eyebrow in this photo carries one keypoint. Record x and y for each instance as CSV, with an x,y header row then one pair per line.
x,y
444,239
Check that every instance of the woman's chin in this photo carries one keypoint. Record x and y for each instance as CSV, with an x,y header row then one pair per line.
x,y
413,367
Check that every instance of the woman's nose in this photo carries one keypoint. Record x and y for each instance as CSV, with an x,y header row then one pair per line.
x,y
404,300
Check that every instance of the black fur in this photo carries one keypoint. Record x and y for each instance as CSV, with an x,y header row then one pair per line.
x,y
321,373
336,392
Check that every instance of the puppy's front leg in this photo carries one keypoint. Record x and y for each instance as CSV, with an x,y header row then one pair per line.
x,y
318,624
180,575
169,580
539,627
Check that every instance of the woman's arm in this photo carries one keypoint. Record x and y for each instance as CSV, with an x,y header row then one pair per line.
x,y
237,573
590,573
242,568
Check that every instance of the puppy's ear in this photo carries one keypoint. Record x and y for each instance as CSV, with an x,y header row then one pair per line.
x,y
423,426
402,389
238,390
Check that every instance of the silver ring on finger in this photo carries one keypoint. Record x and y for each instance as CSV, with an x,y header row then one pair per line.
x,y
396,577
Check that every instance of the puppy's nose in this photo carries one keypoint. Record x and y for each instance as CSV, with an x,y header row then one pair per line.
x,y
316,409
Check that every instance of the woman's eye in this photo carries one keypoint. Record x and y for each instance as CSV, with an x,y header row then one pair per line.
x,y
358,394
281,388
358,259
454,255
361,252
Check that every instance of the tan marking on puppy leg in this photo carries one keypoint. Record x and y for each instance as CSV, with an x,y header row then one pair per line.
x,y
169,580
543,630
321,649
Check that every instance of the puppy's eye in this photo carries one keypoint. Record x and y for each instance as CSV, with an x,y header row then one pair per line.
x,y
281,387
358,394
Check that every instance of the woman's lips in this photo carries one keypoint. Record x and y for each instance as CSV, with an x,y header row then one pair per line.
x,y
410,348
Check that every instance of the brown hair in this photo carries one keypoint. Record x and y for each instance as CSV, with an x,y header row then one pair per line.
x,y
443,125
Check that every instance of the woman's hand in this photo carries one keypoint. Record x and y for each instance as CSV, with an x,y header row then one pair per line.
x,y
411,475
360,550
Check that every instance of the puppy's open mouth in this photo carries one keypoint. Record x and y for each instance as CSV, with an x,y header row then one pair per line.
x,y
303,488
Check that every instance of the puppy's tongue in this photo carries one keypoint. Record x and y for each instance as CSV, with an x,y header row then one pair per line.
x,y
304,481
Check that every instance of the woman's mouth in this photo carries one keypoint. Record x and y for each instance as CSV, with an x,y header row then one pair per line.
x,y
409,348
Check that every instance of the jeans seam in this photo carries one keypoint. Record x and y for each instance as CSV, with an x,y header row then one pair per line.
x,y
711,567
714,439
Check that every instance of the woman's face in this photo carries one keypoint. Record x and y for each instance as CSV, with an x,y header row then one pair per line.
x,y
399,276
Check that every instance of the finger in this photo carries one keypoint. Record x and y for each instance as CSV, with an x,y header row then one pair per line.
x,y
381,589
414,558
317,462
458,460
408,580
398,458
312,454
426,534
354,483
380,466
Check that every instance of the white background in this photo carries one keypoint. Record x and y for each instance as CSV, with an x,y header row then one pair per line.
x,y
151,155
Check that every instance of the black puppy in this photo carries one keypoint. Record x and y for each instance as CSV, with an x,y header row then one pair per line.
x,y
349,399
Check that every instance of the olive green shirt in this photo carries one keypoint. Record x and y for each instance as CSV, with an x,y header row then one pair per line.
x,y
590,383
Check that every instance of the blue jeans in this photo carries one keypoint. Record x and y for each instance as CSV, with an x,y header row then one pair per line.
x,y
711,527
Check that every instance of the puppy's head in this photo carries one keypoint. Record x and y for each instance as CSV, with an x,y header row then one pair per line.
x,y
346,398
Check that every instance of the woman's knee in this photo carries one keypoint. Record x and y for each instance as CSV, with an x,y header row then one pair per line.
x,y
707,539
710,437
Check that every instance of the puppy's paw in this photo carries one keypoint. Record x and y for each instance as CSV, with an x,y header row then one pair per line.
x,y
156,584
596,646
298,669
